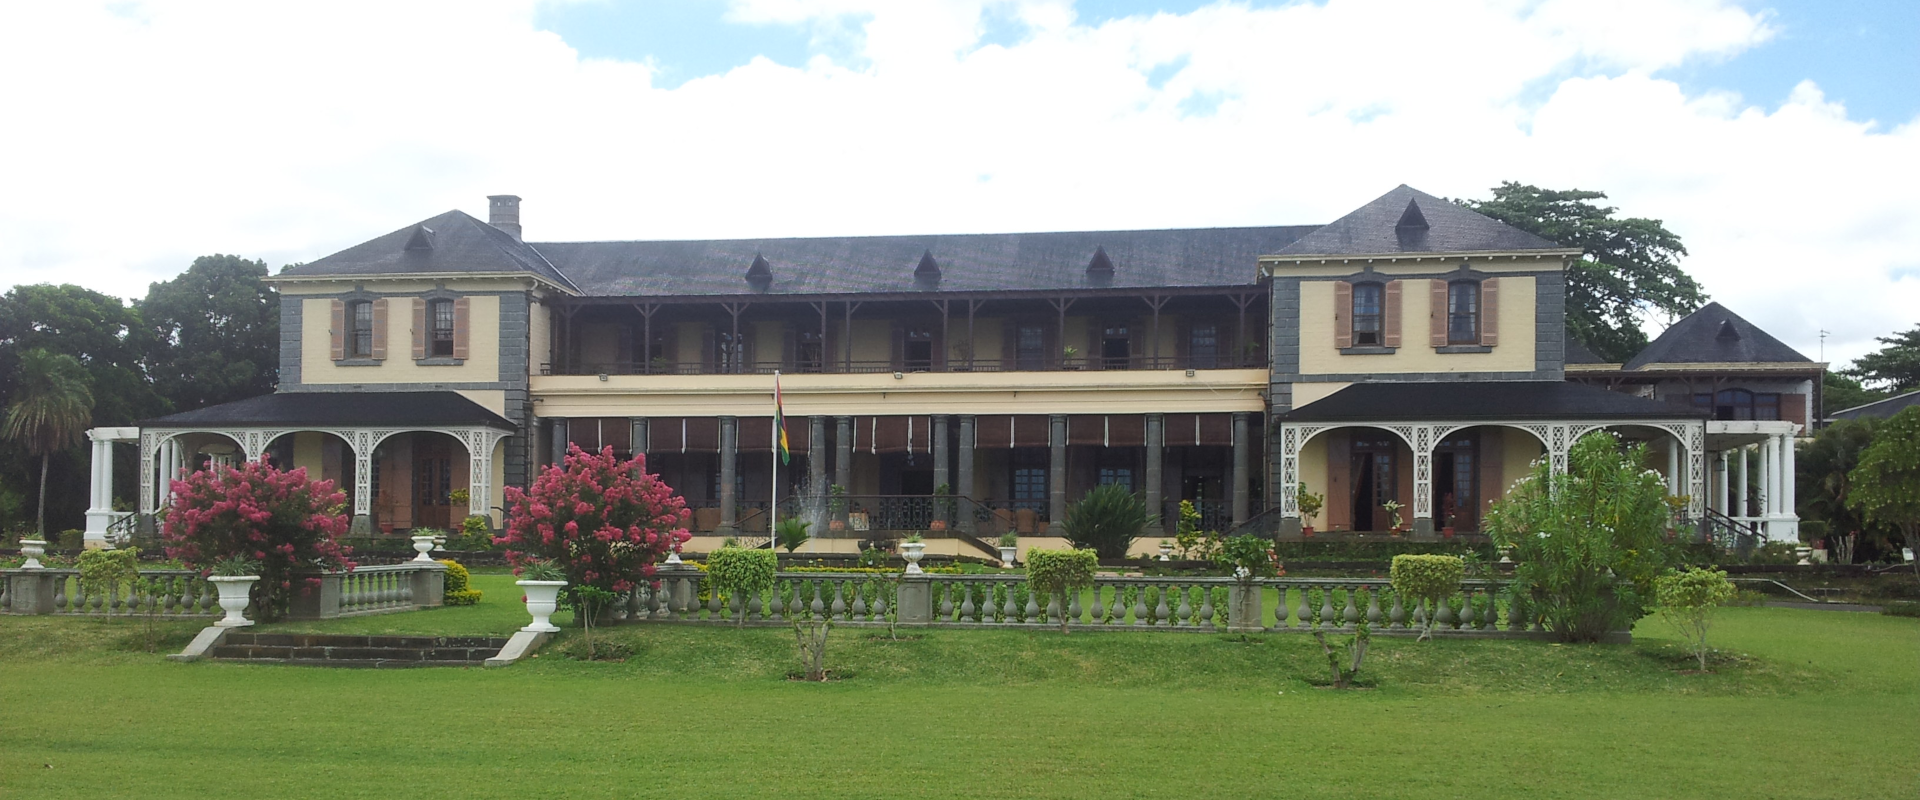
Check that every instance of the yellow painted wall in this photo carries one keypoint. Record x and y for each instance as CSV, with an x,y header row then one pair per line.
x,y
483,341
600,345
872,340
493,400
1304,393
1313,471
1517,453
306,452
1515,353
769,344
1067,392
539,337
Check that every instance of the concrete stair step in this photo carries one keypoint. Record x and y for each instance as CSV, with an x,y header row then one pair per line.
x,y
357,651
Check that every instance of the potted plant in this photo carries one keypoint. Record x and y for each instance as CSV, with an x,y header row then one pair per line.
x,y
1449,514
542,580
1068,355
1009,548
1310,505
234,577
386,505
836,508
1393,514
912,549
423,542
1166,550
942,507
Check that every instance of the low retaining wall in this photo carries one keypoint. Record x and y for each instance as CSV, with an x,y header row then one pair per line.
x,y
185,594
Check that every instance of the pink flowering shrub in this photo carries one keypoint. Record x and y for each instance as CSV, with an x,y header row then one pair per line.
x,y
290,525
604,521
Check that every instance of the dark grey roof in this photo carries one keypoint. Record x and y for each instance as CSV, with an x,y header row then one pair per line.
x,y
1407,220
329,409
1879,409
1481,400
1714,335
880,264
451,242
1578,353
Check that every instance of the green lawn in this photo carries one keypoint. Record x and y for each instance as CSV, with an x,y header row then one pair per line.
x,y
1811,704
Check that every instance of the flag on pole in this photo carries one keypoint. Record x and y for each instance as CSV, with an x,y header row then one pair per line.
x,y
780,422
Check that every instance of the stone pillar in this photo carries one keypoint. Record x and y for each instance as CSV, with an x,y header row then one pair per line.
x,y
1740,482
1156,464
969,518
1243,607
941,475
1674,479
429,585
99,492
322,601
843,452
1057,474
30,592
729,465
1722,491
1241,459
1789,507
915,600
558,427
640,433
817,459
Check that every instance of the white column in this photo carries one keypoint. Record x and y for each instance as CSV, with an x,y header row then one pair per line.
x,y
1740,484
1788,509
1674,479
1721,489
99,510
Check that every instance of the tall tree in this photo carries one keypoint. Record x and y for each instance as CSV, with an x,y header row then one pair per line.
x,y
1886,484
1840,392
50,410
1630,268
1823,475
100,330
1895,367
215,333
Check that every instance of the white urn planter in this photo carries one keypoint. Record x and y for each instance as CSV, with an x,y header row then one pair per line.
x,y
33,549
423,545
673,557
1166,552
912,551
234,591
1007,555
543,597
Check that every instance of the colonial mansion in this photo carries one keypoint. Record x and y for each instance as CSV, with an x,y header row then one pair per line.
x,y
1408,362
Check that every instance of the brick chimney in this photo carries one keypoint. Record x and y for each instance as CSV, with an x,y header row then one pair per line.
x,y
503,212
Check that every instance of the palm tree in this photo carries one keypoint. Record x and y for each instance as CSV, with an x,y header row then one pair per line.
x,y
50,411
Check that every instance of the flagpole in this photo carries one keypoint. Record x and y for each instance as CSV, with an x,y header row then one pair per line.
x,y
773,504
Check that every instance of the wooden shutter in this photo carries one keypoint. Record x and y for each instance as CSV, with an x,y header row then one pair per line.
x,y
1342,314
380,329
1390,335
419,327
1490,312
1437,313
338,332
462,325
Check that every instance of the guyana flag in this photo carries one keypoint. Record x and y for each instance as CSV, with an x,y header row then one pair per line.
x,y
780,422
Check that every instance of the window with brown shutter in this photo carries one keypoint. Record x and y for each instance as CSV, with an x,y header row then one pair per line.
x,y
1437,313
419,328
338,331
379,348
1490,312
462,327
1342,314
1463,312
440,326
1390,333
1368,319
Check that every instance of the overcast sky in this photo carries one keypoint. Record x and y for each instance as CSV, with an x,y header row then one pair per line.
x,y
1780,140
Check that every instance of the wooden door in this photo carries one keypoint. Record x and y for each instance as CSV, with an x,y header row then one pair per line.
x,y
433,482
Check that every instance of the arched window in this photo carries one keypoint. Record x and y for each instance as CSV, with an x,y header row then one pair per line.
x,y
360,329
1367,315
1463,312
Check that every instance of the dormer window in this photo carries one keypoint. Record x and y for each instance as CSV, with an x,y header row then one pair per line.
x,y
360,329
1368,315
440,339
1463,312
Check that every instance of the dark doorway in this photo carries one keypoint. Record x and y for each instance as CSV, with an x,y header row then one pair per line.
x,y
1375,480
1456,490
433,482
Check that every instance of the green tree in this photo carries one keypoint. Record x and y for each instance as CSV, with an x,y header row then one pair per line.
x,y
1823,478
1587,543
1894,368
1106,521
101,331
1630,268
214,333
1839,392
1886,484
50,411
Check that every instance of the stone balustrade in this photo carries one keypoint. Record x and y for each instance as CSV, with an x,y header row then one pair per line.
x,y
1481,608
185,594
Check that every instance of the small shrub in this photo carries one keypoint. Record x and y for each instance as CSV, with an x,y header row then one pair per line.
x,y
1432,578
476,534
791,533
1687,600
459,591
289,525
1902,608
1194,544
1344,656
1248,557
741,572
1106,521
606,522
810,638
1054,573
872,558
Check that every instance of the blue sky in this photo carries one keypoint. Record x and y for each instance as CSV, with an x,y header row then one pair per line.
x,y
1863,53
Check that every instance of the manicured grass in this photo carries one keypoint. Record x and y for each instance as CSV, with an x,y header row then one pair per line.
x,y
701,712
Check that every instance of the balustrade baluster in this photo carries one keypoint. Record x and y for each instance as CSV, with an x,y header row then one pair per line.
x,y
967,609
1373,606
1303,614
1473,611
1420,608
1351,613
1183,610
1443,613
1009,611
1141,614
1327,619
859,598
1515,621
1397,618
59,593
736,607
713,601
1161,613
1073,608
1032,611
1053,609
817,609
839,607
1206,608
1099,609
880,602
1281,611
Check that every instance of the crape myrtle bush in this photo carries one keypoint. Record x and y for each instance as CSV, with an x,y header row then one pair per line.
x,y
603,521
291,525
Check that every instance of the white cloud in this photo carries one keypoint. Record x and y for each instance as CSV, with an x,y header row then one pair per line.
x,y
140,139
